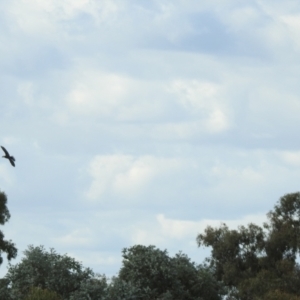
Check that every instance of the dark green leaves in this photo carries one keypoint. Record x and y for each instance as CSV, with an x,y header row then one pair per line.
x,y
253,261
5,246
51,271
153,274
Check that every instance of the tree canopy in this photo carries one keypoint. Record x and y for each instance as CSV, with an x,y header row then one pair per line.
x,y
49,271
254,262
5,246
146,273
153,274
248,263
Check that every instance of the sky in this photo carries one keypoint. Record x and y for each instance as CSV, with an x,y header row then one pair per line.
x,y
142,122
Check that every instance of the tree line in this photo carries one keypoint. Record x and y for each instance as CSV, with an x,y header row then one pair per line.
x,y
248,263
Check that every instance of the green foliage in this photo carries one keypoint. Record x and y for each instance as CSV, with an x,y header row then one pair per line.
x,y
91,289
147,267
5,246
149,273
4,291
278,295
122,290
284,229
249,263
40,294
253,261
48,270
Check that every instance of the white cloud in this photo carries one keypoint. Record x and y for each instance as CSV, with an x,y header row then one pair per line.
x,y
202,120
114,97
126,175
244,18
147,236
217,121
195,95
38,17
10,140
167,232
182,229
293,28
7,177
204,101
177,130
291,157
248,174
26,91
98,93
101,259
78,237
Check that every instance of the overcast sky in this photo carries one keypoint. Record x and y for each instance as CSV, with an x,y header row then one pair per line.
x,y
142,122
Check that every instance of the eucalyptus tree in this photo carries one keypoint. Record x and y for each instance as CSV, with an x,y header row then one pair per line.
x,y
150,273
52,272
254,262
6,246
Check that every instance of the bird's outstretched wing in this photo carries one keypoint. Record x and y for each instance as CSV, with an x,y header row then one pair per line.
x,y
10,158
12,162
5,151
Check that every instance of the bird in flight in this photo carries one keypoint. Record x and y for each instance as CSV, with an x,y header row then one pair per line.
x,y
10,158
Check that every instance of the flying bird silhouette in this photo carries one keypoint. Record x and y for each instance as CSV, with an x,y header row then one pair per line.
x,y
10,158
